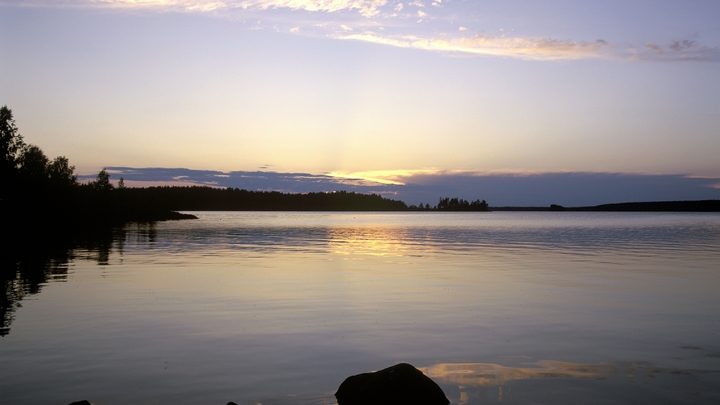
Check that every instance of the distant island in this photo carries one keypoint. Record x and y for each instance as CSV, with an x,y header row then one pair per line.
x,y
652,206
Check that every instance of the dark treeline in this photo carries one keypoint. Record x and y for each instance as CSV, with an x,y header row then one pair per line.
x,y
657,206
38,194
199,198
455,204
651,206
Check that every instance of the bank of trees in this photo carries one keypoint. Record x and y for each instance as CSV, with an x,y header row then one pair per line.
x,y
29,180
198,198
36,191
25,170
458,204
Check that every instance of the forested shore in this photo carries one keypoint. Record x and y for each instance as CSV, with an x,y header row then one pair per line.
x,y
41,193
37,192
199,198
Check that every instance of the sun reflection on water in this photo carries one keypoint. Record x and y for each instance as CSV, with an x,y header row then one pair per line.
x,y
390,242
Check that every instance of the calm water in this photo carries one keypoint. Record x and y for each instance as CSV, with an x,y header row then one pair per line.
x,y
278,308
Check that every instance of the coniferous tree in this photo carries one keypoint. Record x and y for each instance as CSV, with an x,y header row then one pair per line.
x,y
11,143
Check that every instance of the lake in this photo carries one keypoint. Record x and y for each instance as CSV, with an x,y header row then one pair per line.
x,y
279,308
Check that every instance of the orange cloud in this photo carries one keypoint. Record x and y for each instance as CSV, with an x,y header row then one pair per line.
x,y
403,177
392,177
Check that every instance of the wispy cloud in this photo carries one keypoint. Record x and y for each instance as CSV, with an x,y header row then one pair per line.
x,y
367,8
527,48
448,27
543,48
678,50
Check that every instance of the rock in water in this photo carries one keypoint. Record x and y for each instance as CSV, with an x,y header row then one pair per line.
x,y
401,384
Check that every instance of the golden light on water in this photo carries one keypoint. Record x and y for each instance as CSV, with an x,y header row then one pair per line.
x,y
367,242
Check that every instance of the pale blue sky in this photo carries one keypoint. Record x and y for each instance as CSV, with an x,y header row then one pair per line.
x,y
366,87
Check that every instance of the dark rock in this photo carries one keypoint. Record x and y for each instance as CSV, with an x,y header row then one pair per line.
x,y
83,402
401,384
231,403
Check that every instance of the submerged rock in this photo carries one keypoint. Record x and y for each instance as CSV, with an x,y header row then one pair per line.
x,y
401,384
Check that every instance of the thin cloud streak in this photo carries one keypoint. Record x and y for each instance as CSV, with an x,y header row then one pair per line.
x,y
678,50
396,25
525,48
367,8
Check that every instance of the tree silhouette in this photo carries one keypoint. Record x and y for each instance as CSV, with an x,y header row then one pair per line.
x,y
33,165
11,143
102,183
10,139
458,204
61,173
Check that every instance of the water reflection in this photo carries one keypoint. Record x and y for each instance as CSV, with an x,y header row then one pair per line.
x,y
24,277
32,260
466,383
488,377
402,234
373,242
251,307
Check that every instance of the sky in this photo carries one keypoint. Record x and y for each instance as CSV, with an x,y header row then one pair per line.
x,y
519,102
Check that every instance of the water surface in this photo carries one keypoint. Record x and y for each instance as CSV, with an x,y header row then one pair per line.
x,y
278,308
